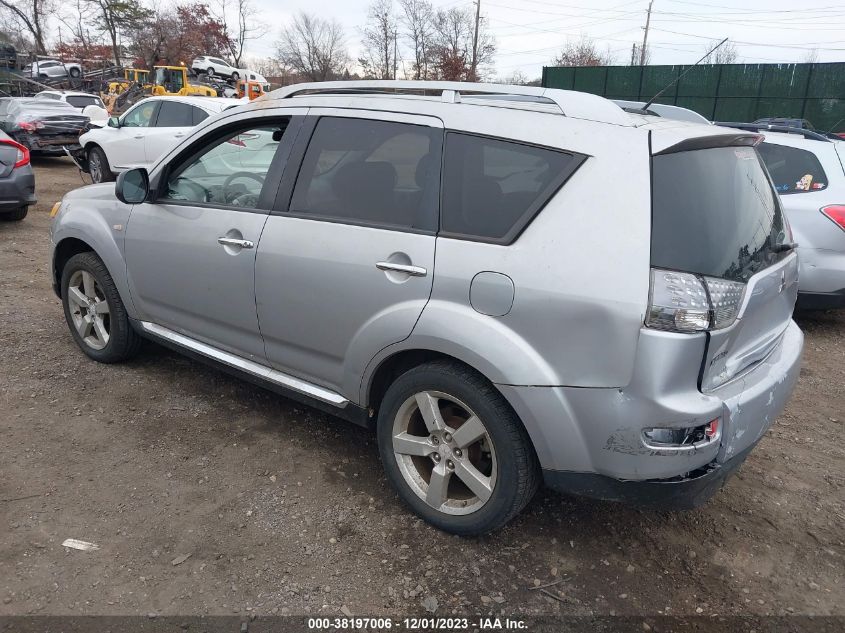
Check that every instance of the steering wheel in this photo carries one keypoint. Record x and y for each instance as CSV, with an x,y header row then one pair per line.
x,y
197,188
239,174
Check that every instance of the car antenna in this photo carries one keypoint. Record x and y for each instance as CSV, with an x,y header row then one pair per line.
x,y
830,131
678,78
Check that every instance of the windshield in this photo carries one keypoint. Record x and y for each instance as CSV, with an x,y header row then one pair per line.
x,y
715,212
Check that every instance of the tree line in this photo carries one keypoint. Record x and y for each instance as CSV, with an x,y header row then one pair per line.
x,y
409,39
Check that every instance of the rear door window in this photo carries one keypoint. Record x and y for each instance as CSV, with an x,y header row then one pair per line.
x,y
493,188
370,172
175,114
714,212
793,170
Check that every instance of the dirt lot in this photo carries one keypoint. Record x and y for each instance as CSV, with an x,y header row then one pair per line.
x,y
282,509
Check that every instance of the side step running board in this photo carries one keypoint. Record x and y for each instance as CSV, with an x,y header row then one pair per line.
x,y
261,371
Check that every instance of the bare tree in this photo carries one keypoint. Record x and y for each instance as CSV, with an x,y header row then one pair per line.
x,y
418,19
31,16
727,53
112,17
244,26
313,47
378,38
77,16
637,55
452,51
516,78
583,52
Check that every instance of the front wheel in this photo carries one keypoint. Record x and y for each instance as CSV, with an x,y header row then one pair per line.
x,y
98,166
235,76
75,72
94,311
454,450
209,72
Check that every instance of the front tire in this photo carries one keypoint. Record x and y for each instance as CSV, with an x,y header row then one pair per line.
x,y
209,72
75,72
98,165
16,215
235,77
454,450
95,312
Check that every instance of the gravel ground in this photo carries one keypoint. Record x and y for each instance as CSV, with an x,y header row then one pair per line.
x,y
208,495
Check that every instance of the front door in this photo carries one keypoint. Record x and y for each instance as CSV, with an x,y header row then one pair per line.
x,y
346,261
125,145
190,254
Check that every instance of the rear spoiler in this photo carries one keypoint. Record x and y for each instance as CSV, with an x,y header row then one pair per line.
x,y
708,142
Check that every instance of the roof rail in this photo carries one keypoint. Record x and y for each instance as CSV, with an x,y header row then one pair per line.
x,y
784,129
578,105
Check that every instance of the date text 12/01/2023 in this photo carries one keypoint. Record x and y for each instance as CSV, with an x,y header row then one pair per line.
x,y
415,624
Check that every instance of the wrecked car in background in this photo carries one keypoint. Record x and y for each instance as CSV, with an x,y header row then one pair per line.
x,y
42,125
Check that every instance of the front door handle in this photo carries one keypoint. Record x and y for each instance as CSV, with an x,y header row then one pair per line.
x,y
230,241
140,136
413,271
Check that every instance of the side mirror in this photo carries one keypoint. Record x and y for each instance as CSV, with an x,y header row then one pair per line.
x,y
114,121
132,186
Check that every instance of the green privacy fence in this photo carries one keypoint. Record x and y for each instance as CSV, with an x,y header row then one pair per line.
x,y
722,92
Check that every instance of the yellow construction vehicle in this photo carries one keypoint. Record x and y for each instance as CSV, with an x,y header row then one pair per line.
x,y
171,81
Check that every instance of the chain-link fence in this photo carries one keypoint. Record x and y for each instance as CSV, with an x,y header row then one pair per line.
x,y
722,92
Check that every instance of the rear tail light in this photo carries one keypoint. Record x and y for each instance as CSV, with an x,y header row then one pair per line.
x,y
30,126
22,157
835,213
683,302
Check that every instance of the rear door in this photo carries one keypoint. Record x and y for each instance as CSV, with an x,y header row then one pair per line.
x,y
715,213
346,260
173,122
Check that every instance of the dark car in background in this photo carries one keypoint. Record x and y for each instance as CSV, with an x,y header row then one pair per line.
x,y
8,56
42,126
17,182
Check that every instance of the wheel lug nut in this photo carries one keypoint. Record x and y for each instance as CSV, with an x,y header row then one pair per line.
x,y
448,437
450,465
435,457
434,440
457,452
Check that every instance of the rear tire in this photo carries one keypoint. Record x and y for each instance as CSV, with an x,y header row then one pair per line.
x,y
429,469
16,215
75,72
235,76
95,312
98,165
209,72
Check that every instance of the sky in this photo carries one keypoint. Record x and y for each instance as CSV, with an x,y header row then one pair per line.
x,y
529,33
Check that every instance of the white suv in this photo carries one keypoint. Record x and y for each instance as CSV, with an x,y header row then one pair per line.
x,y
143,133
212,66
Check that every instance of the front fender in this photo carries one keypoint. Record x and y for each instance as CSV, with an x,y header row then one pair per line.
x,y
99,220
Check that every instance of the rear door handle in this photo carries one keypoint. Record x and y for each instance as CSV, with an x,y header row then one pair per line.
x,y
139,136
230,241
413,271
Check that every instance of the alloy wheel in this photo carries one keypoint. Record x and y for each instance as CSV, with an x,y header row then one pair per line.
x,y
95,168
89,309
444,453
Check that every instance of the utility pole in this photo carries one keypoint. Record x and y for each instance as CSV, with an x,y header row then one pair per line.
x,y
395,37
633,53
645,35
474,64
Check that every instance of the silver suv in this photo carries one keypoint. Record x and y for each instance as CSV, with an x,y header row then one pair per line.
x,y
511,285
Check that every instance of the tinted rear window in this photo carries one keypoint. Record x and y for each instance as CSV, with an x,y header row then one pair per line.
x,y
793,170
714,212
493,188
83,102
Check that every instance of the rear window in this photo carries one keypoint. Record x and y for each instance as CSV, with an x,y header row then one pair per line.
x,y
793,170
714,212
493,188
82,101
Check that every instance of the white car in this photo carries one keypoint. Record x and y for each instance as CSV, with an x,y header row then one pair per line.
x,y
50,68
79,100
143,133
212,66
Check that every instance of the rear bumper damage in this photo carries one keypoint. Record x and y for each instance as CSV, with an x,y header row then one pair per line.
x,y
48,143
593,441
